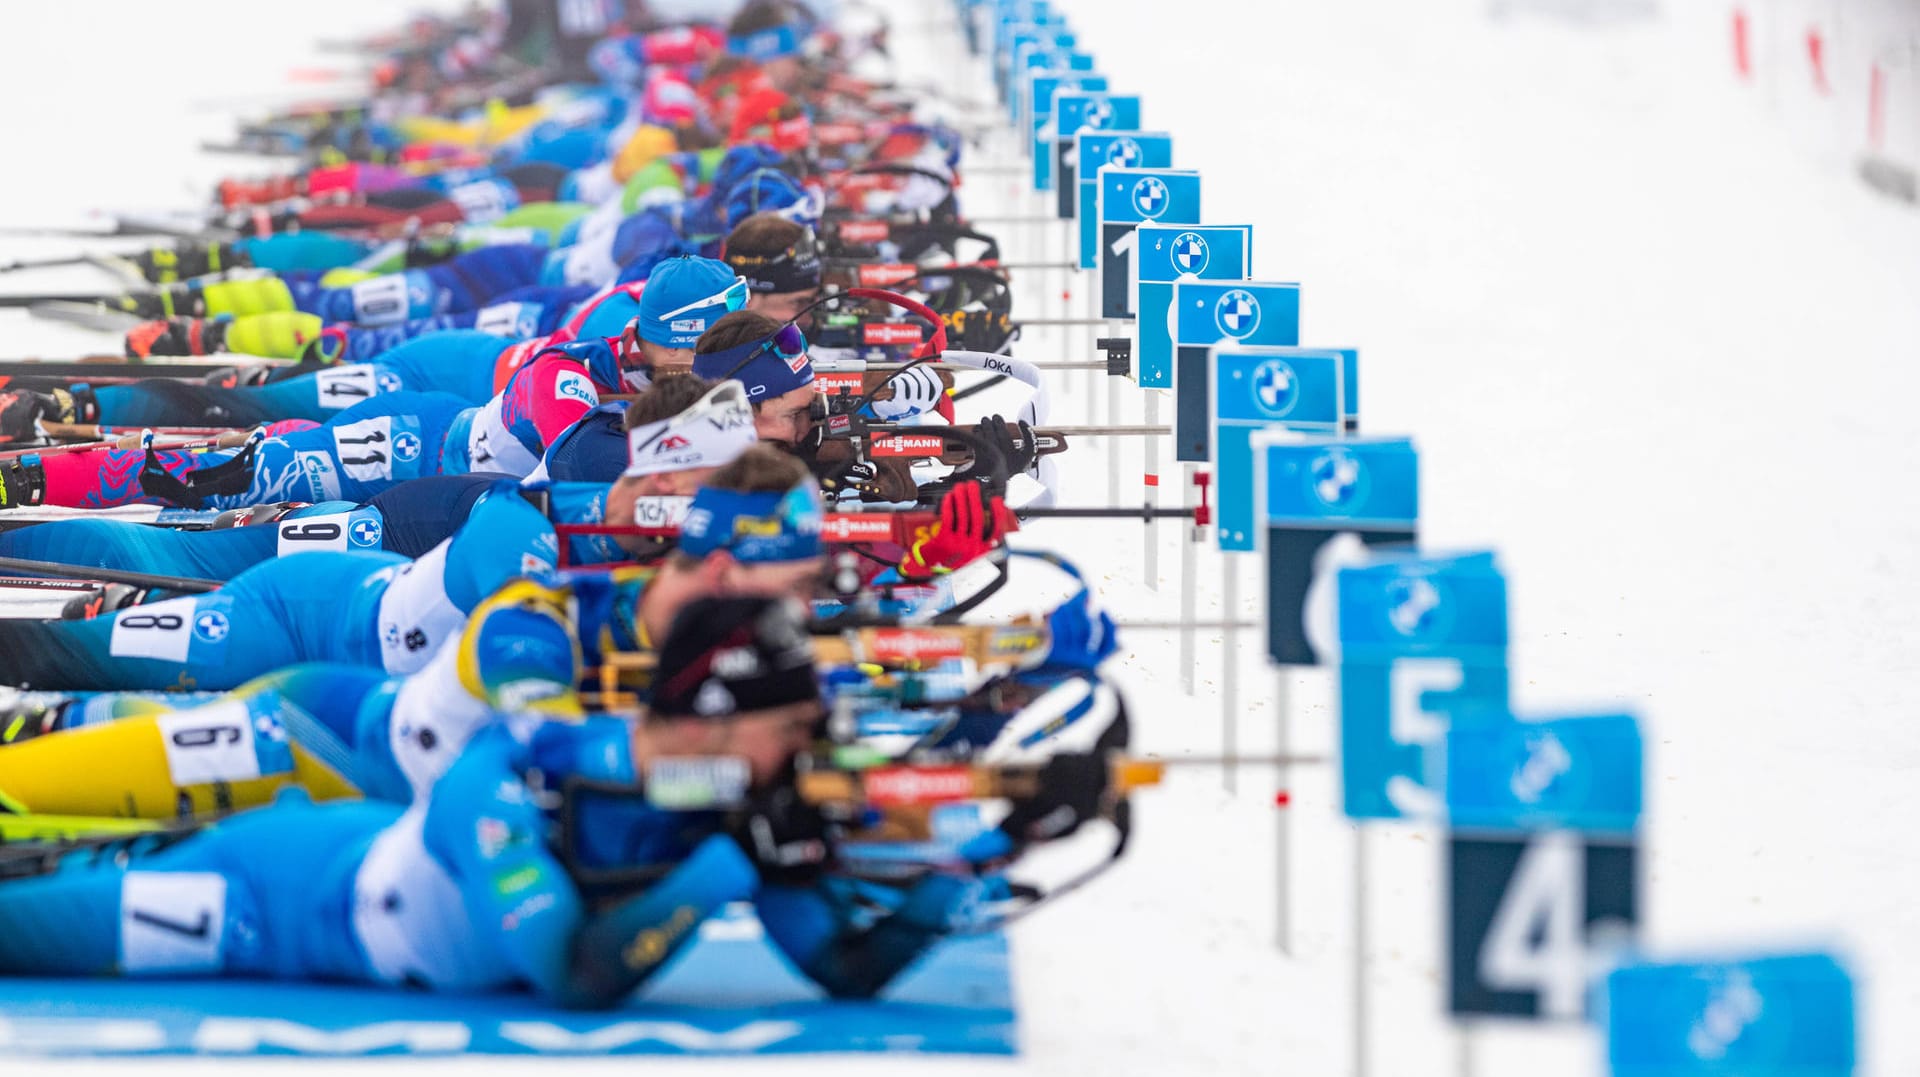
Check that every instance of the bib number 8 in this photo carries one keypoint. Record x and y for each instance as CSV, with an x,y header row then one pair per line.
x,y
162,630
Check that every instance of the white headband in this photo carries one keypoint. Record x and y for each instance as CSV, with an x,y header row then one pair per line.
x,y
711,432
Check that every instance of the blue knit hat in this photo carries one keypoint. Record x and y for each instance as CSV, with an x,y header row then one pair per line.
x,y
672,313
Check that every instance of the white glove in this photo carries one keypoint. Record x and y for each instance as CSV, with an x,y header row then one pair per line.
x,y
916,391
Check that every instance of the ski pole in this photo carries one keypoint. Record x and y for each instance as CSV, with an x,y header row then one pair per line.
x,y
188,584
44,263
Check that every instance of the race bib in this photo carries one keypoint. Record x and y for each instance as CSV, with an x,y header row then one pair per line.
x,y
333,531
162,630
215,743
416,616
344,386
380,301
172,921
479,202
501,319
366,449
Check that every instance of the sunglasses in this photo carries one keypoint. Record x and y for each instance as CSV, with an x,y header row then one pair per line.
x,y
734,296
787,342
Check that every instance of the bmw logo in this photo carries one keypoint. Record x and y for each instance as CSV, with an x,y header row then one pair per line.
x,y
1124,152
1337,479
1237,313
1150,196
406,445
1099,113
1414,606
1191,253
388,381
365,533
211,625
1276,388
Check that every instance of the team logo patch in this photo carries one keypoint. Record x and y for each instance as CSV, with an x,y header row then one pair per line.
x,y
1124,152
406,445
1276,388
365,533
689,325
530,564
1191,253
212,626
1150,196
572,386
1237,313
388,381
1338,480
1098,115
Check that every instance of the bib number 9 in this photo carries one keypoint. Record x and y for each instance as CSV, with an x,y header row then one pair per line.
x,y
322,533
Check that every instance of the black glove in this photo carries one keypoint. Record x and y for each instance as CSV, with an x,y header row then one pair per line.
x,y
1073,788
784,836
1015,444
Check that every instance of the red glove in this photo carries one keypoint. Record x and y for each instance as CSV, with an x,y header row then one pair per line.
x,y
970,525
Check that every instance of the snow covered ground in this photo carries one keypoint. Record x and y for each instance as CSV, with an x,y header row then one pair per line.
x,y
1654,355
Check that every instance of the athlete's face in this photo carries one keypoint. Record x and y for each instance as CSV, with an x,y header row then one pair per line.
x,y
667,360
798,580
769,739
786,418
785,306
631,488
784,72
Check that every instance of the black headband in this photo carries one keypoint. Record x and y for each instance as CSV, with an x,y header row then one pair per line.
x,y
796,269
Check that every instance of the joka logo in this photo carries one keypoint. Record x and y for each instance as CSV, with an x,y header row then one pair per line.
x,y
365,533
406,445
1150,196
1237,313
1275,388
671,443
1338,479
1191,253
1099,114
211,626
1413,606
388,381
1124,152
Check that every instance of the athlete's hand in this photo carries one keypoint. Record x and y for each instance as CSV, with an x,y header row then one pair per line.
x,y
784,836
971,524
916,391
1015,443
1073,789
879,480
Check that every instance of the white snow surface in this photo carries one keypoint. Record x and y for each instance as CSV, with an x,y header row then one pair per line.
x,y
1653,354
